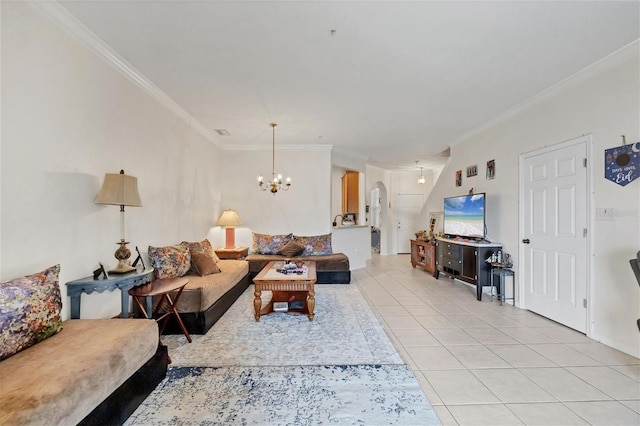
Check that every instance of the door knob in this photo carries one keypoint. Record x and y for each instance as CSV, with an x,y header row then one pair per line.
x,y
526,241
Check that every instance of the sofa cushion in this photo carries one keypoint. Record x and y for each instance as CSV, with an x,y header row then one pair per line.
x,y
203,246
201,292
330,262
315,245
29,310
170,261
61,380
268,244
204,264
291,249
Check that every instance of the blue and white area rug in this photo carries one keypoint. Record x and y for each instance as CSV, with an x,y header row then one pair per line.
x,y
339,369
299,395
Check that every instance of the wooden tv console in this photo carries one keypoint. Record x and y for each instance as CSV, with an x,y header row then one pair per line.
x,y
465,261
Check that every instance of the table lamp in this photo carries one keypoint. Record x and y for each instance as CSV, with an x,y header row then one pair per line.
x,y
229,219
120,190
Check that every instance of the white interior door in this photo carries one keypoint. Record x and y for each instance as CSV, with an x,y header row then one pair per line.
x,y
554,251
408,208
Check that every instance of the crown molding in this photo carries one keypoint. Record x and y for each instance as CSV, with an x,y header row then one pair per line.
x,y
60,16
265,147
610,61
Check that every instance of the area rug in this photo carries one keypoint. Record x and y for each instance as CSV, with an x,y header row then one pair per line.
x,y
339,369
344,332
299,395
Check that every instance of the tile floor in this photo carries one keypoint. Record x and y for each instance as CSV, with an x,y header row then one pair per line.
x,y
480,363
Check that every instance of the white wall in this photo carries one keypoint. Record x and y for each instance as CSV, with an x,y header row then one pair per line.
x,y
305,209
67,119
603,101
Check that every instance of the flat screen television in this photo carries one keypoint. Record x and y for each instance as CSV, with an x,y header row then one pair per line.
x,y
464,216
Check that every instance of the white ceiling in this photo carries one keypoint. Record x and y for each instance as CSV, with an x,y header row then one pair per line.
x,y
397,81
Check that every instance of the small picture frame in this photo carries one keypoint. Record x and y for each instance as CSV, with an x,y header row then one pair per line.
x,y
472,170
100,272
459,178
491,169
139,259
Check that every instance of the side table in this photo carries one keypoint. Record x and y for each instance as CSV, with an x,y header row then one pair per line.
x,y
502,271
233,253
122,282
162,287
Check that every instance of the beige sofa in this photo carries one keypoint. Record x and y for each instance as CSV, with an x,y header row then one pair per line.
x,y
91,372
205,299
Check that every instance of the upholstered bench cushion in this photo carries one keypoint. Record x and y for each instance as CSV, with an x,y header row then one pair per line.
x,y
325,262
63,378
201,292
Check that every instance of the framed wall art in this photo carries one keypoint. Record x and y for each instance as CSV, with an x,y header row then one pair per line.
x,y
459,178
472,170
491,169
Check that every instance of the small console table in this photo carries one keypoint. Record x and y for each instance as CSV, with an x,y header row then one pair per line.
x,y
123,282
465,261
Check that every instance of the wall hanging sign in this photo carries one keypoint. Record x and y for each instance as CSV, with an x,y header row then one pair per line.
x,y
622,163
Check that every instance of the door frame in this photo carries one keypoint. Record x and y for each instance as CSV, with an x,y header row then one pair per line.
x,y
587,140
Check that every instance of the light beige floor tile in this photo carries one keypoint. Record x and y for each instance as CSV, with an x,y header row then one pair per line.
x,y
450,309
605,413
452,336
609,381
480,415
520,356
526,335
408,337
459,387
563,355
428,390
564,335
445,416
604,354
392,310
536,321
402,322
563,385
468,321
546,413
433,358
632,371
512,386
491,335
422,310
500,321
477,356
410,301
435,321
634,405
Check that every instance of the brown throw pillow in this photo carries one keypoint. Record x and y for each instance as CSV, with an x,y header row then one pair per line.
x,y
204,264
291,249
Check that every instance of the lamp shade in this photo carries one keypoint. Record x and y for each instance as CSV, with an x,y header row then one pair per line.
x,y
229,218
119,190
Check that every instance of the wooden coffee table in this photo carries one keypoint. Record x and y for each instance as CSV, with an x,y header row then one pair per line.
x,y
284,286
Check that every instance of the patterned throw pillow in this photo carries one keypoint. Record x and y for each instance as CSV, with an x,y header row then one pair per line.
x,y
29,310
170,261
204,264
269,244
315,245
203,246
291,249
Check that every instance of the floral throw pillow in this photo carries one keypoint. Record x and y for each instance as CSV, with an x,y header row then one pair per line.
x,y
315,245
170,261
269,244
203,247
29,310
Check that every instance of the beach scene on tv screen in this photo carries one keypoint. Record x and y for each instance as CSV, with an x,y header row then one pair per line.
x,y
464,216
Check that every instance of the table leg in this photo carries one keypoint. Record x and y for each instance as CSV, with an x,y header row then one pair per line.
x,y
311,304
75,307
257,302
124,303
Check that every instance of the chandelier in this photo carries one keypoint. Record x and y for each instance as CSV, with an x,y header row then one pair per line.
x,y
275,184
421,179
